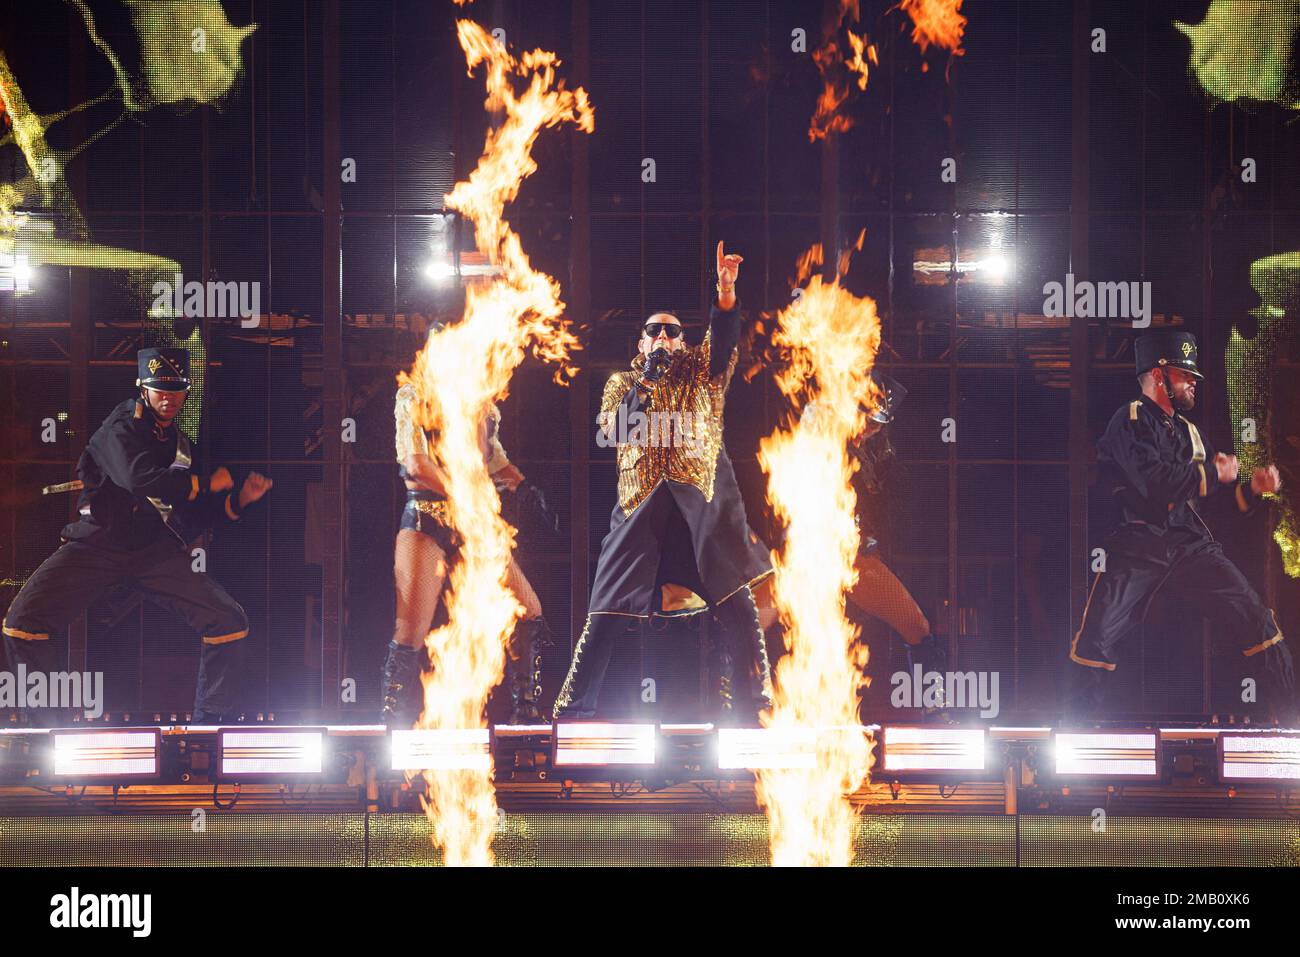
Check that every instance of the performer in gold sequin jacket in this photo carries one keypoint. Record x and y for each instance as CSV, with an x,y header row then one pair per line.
x,y
676,485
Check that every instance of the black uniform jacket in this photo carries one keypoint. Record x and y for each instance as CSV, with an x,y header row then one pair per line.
x,y
140,484
1160,469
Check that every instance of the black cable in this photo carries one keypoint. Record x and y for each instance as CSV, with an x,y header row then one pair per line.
x,y
620,789
711,795
300,807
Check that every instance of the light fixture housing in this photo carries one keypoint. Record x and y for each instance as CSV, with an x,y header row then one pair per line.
x,y
107,756
1259,757
250,754
768,749
578,744
910,751
441,749
1107,755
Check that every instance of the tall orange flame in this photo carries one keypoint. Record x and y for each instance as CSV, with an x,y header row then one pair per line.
x,y
837,72
458,374
936,21
832,337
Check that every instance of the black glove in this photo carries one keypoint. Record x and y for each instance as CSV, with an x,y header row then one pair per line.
x,y
532,507
656,365
930,653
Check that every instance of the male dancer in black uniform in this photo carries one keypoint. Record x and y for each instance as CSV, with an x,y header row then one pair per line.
x,y
669,494
141,504
1160,469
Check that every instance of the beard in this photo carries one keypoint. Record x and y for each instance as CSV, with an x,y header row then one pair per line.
x,y
1185,400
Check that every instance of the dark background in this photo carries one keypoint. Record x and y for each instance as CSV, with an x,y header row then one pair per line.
x,y
1134,182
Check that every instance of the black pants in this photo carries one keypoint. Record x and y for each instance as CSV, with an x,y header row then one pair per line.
x,y
79,572
1191,568
741,636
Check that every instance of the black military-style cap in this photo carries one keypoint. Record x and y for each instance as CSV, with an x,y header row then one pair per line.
x,y
1168,347
894,396
167,370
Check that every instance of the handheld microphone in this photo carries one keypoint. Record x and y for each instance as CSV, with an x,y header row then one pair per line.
x,y
656,364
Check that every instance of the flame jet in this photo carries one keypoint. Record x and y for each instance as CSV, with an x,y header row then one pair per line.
x,y
838,73
937,22
832,338
845,62
460,371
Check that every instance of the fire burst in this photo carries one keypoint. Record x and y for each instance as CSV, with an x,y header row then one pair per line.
x,y
837,72
832,337
461,370
936,21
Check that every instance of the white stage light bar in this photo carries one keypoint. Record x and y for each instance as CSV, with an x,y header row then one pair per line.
x,y
442,749
1108,754
247,753
1259,756
933,749
753,749
595,743
110,754
520,730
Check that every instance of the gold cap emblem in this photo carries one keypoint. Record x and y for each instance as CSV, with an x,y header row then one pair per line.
x,y
1187,350
154,365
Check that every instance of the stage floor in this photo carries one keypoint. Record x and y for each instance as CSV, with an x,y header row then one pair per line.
x,y
636,838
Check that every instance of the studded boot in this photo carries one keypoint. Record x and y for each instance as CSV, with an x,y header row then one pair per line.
x,y
402,691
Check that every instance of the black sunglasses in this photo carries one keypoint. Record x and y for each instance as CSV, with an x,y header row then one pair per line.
x,y
671,329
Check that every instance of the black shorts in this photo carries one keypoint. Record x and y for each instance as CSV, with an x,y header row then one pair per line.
x,y
429,524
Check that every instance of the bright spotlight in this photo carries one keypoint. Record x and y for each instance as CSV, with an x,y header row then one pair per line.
x,y
440,273
16,273
997,266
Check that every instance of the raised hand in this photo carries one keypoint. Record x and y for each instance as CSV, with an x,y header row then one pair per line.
x,y
255,486
220,480
1266,481
1227,467
728,273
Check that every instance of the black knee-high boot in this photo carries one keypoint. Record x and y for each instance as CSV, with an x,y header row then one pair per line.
x,y
524,672
402,690
578,696
743,636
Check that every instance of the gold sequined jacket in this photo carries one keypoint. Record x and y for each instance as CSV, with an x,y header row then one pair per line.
x,y
681,448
